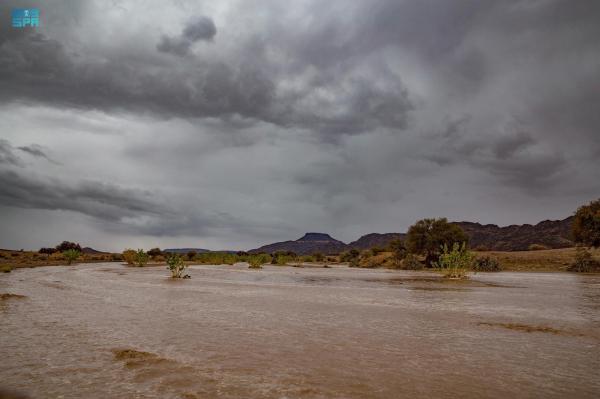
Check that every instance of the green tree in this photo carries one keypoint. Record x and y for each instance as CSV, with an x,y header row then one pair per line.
x,y
155,252
586,224
71,255
428,236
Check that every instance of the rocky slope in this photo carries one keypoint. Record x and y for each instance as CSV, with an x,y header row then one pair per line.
x,y
375,240
550,233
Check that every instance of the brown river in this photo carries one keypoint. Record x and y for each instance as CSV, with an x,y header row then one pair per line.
x,y
111,331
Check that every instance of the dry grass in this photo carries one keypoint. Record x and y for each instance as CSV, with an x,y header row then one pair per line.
x,y
21,259
549,260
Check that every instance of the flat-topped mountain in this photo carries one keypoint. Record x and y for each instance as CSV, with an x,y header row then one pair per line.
x,y
310,243
550,233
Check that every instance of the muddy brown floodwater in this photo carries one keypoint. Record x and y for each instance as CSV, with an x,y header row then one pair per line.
x,y
110,331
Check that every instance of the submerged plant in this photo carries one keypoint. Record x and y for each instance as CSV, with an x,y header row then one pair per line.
x,y
455,263
176,265
141,258
71,255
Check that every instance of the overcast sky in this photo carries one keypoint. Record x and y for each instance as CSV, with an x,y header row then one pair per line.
x,y
231,124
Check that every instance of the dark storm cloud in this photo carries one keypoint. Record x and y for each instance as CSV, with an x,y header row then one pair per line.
x,y
36,151
200,29
342,108
101,200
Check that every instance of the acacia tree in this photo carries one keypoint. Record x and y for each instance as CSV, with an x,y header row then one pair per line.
x,y
428,236
66,245
586,224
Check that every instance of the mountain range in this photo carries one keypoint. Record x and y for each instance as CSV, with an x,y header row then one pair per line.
x,y
549,233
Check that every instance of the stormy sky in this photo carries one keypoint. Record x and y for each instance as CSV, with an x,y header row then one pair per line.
x,y
231,124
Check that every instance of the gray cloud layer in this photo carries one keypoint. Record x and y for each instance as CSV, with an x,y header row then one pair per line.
x,y
200,29
347,112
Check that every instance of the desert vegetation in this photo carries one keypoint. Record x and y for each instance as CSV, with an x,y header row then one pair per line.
x,y
71,255
176,265
486,263
455,262
256,261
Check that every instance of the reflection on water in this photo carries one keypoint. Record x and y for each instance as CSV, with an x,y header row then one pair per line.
x,y
106,330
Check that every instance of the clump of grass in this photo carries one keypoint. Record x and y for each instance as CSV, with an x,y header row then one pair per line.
x,y
486,263
584,262
5,268
256,261
454,263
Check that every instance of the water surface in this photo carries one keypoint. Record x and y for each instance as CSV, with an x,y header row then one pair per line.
x,y
107,330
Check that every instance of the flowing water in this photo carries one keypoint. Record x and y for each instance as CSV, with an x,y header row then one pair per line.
x,y
111,331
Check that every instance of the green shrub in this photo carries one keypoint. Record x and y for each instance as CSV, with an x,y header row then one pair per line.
x,y
318,257
398,249
410,262
455,263
537,247
584,262
5,268
376,251
191,255
307,258
349,255
71,255
47,251
486,264
141,258
256,261
116,257
176,265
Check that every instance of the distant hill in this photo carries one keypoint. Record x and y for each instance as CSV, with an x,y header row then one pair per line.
x,y
92,251
310,243
185,250
550,233
375,240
